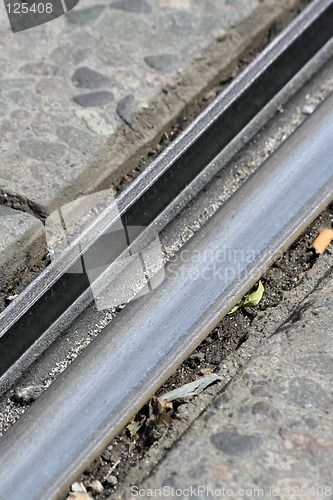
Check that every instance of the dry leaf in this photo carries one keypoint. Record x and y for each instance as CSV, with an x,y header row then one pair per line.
x,y
191,389
163,408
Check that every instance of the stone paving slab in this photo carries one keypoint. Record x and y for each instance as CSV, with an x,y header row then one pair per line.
x,y
269,434
21,241
81,94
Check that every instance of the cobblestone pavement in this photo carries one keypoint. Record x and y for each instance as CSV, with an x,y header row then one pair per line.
x,y
79,96
68,87
269,433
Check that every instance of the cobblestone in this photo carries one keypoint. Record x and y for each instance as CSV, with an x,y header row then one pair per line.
x,y
125,108
89,79
98,98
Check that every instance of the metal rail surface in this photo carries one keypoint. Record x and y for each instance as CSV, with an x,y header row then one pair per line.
x,y
101,390
58,296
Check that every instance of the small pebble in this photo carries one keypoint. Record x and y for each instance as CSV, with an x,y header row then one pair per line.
x,y
111,480
78,488
26,395
10,298
307,110
206,371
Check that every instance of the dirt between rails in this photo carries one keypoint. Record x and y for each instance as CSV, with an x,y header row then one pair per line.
x,y
131,456
18,280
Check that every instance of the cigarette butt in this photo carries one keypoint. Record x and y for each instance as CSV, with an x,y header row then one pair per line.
x,y
322,241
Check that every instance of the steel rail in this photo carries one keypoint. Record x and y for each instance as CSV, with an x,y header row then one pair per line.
x,y
57,297
101,390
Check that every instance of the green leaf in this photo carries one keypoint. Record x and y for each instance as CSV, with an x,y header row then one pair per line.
x,y
252,300
134,427
255,297
234,309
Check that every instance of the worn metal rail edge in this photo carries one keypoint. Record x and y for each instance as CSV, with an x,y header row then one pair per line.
x,y
58,296
101,390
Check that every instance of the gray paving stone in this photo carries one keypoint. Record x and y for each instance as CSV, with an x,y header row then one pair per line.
x,y
133,6
232,443
21,240
89,79
125,108
163,62
85,16
82,94
98,98
270,431
125,53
